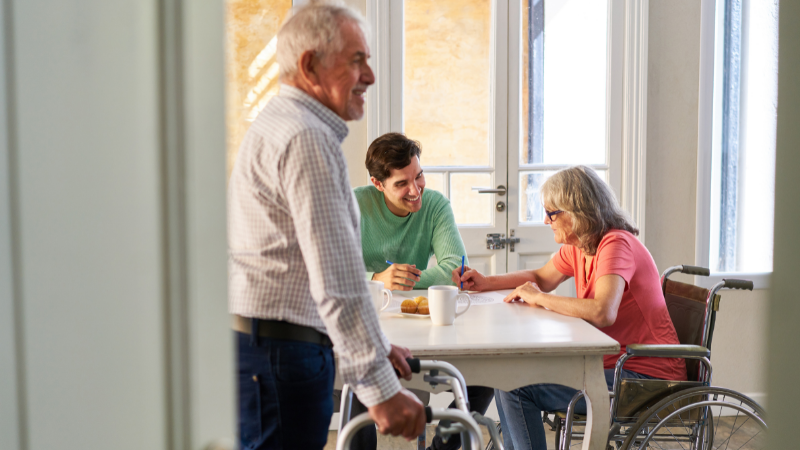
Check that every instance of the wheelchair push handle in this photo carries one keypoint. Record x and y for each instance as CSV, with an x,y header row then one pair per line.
x,y
739,284
695,270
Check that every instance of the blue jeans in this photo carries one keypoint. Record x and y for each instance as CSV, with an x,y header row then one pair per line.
x,y
285,390
521,410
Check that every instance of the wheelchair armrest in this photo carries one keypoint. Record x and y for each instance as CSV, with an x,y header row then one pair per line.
x,y
668,351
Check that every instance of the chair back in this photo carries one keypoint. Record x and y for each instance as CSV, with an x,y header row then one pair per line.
x,y
686,304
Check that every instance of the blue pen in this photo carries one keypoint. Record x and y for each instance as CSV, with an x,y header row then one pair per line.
x,y
462,270
389,262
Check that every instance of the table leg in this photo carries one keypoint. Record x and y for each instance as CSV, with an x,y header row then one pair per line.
x,y
597,404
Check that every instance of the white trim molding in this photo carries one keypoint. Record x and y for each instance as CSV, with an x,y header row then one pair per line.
x,y
634,112
705,128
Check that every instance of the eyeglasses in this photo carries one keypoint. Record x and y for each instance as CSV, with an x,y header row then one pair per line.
x,y
552,214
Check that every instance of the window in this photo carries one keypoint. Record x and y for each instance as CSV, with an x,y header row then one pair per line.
x,y
501,94
251,29
743,146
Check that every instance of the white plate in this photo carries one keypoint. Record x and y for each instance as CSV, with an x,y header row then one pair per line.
x,y
414,316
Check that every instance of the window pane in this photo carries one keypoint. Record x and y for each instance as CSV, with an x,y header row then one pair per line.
x,y
435,181
564,82
251,27
446,80
531,211
743,149
469,207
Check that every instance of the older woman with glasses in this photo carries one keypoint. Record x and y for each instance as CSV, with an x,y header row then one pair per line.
x,y
618,287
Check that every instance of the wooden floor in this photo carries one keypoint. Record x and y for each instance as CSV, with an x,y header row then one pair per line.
x,y
747,438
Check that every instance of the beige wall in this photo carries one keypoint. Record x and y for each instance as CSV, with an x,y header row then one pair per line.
x,y
672,95
672,126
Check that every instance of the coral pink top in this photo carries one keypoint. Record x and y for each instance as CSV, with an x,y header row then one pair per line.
x,y
642,317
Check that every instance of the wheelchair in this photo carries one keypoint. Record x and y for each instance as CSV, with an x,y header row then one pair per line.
x,y
451,421
663,414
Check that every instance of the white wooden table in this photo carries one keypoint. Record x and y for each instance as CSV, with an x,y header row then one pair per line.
x,y
507,346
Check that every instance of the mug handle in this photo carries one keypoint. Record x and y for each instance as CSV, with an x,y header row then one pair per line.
x,y
387,294
469,303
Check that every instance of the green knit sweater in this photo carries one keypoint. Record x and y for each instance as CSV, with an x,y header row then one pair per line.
x,y
412,239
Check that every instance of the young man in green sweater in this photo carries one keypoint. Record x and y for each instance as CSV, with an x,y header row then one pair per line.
x,y
403,223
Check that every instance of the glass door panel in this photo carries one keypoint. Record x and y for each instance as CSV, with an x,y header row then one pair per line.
x,y
447,80
470,207
558,65
453,105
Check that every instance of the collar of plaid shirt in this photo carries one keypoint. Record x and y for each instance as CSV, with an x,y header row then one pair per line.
x,y
330,118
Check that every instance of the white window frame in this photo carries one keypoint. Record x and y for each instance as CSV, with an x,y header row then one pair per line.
x,y
708,18
627,90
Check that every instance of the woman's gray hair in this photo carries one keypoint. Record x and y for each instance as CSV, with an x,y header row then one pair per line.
x,y
581,193
315,26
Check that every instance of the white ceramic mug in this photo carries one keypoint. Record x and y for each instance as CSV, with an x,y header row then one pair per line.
x,y
443,302
378,294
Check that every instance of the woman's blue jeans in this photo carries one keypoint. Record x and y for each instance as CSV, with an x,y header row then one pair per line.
x,y
521,410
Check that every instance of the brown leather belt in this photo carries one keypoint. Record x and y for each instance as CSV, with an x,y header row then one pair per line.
x,y
277,329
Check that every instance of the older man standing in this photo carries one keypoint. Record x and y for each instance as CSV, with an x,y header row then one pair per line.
x,y
296,272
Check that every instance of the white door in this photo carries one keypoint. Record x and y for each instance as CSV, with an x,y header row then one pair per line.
x,y
494,122
564,106
446,84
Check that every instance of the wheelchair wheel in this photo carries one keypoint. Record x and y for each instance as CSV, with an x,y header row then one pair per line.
x,y
701,418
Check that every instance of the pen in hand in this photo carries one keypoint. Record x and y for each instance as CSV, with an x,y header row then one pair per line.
x,y
462,270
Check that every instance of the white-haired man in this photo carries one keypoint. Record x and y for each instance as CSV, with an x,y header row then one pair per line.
x,y
296,272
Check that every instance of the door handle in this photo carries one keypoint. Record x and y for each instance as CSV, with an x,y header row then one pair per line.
x,y
501,190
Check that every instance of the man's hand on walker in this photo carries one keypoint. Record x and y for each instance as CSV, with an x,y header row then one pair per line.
x,y
397,356
401,415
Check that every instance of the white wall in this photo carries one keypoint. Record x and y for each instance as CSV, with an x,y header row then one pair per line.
x,y
88,345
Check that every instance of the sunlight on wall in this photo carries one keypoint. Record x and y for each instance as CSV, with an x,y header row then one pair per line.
x,y
251,71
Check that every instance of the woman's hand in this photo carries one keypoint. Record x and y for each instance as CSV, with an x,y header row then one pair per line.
x,y
472,279
528,293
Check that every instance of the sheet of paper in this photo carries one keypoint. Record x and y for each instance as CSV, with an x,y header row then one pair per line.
x,y
477,298
486,298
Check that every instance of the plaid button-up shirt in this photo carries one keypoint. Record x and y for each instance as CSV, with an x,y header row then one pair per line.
x,y
294,240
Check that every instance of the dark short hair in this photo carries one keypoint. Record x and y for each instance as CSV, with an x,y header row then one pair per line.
x,y
390,151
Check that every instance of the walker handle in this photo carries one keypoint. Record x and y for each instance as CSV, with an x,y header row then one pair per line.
x,y
413,363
